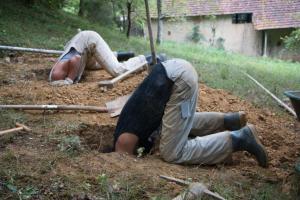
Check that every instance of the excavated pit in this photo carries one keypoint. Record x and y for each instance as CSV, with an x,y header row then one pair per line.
x,y
97,137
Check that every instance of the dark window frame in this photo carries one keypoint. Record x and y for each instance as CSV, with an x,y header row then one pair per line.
x,y
242,18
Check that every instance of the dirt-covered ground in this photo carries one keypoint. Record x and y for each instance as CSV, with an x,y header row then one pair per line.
x,y
54,167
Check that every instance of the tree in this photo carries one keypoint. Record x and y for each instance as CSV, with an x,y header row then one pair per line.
x,y
129,10
292,41
160,21
53,4
99,11
136,7
80,10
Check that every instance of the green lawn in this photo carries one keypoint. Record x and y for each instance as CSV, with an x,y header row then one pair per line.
x,y
41,28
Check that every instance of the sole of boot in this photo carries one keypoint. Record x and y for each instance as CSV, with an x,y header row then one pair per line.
x,y
257,140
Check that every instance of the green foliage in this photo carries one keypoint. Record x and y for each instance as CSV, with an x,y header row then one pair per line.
x,y
71,6
70,144
224,72
118,190
53,4
292,42
23,193
196,36
98,11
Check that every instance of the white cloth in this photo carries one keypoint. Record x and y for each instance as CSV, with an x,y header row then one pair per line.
x,y
180,118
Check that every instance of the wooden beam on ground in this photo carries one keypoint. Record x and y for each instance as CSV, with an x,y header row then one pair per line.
x,y
111,83
290,110
33,50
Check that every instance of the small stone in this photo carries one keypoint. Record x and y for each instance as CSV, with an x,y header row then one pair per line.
x,y
7,59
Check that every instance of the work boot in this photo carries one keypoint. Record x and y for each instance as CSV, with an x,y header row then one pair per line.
x,y
235,121
159,58
123,56
246,139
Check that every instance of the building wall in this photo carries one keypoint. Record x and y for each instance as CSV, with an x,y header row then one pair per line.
x,y
240,38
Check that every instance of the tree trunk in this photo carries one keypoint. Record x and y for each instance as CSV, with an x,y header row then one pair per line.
x,y
80,11
114,11
129,4
160,22
123,21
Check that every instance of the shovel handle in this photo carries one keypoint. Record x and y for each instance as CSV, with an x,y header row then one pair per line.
x,y
55,107
11,130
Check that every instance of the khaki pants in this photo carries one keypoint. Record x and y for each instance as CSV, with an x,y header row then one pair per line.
x,y
107,60
180,121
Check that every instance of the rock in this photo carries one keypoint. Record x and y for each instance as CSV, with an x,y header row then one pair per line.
x,y
7,59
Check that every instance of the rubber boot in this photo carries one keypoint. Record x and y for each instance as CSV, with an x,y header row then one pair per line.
x,y
123,56
246,139
235,121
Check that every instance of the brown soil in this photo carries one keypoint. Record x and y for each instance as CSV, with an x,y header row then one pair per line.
x,y
23,80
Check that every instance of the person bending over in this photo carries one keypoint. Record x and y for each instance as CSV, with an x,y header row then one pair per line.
x,y
166,101
88,50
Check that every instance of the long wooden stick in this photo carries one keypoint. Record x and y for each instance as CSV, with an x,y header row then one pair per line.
x,y
150,33
112,82
272,95
13,130
47,51
55,107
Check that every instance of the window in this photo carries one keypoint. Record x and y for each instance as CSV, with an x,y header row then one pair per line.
x,y
241,18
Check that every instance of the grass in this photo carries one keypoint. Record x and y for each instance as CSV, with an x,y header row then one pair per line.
x,y
220,69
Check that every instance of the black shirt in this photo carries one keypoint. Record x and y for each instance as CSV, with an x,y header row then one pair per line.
x,y
143,112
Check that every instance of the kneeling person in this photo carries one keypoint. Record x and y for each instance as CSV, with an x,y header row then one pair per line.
x,y
88,50
166,101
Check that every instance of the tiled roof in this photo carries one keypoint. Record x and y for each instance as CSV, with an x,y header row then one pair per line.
x,y
267,14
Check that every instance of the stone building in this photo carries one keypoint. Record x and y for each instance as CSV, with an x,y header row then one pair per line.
x,y
250,27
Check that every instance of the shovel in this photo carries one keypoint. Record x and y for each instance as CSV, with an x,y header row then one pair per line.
x,y
113,107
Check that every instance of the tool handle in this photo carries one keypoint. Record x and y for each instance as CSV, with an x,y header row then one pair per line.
x,y
11,130
55,107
